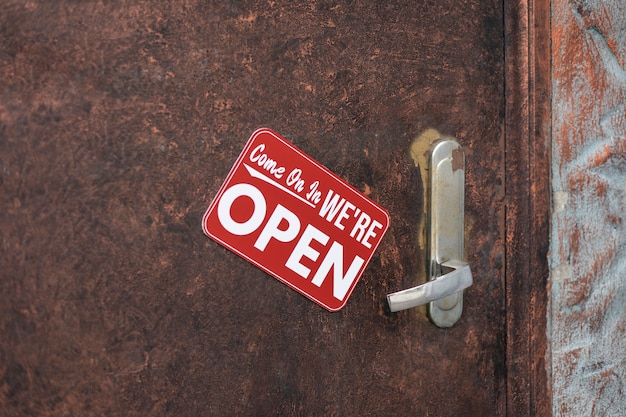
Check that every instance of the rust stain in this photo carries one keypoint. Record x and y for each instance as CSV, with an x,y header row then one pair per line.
x,y
420,153
458,159
602,156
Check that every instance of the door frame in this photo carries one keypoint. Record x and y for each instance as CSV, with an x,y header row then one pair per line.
x,y
527,181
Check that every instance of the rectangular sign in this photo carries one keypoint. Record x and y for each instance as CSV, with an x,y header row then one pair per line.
x,y
290,216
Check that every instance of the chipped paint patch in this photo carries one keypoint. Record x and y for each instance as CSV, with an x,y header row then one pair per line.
x,y
420,151
561,273
559,199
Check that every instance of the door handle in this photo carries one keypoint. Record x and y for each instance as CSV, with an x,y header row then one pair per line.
x,y
449,275
438,289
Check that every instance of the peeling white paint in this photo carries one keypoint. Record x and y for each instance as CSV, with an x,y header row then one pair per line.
x,y
561,273
587,320
559,201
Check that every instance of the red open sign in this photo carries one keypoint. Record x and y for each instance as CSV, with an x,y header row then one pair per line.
x,y
290,216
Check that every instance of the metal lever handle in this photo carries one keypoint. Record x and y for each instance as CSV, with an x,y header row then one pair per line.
x,y
445,285
444,291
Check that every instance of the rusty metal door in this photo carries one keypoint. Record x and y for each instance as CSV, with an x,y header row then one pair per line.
x,y
118,123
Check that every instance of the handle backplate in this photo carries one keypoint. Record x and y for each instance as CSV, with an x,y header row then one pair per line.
x,y
448,274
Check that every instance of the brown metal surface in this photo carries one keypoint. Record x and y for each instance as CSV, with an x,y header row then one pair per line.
x,y
118,123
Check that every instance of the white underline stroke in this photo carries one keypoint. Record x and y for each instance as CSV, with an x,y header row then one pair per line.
x,y
256,174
